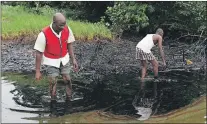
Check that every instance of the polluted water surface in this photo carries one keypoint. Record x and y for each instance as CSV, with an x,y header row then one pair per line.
x,y
176,89
8,103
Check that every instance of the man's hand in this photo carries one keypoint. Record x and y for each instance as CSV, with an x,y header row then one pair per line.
x,y
164,64
38,75
70,51
75,65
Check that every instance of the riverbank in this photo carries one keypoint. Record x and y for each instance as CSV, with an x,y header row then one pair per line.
x,y
193,113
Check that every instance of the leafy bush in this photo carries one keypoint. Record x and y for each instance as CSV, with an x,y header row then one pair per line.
x,y
178,18
125,15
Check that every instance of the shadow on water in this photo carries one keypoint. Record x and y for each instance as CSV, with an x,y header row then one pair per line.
x,y
116,94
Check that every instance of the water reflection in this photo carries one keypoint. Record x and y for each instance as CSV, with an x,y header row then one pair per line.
x,y
175,89
145,105
7,103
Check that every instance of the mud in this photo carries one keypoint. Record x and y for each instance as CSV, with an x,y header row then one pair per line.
x,y
101,57
108,78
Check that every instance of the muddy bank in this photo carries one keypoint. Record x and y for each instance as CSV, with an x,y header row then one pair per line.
x,y
101,57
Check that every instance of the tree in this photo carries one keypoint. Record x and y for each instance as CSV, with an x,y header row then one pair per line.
x,y
178,18
126,15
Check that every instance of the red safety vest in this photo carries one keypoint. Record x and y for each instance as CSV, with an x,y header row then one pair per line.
x,y
55,48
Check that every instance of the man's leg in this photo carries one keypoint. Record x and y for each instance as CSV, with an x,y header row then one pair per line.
x,y
144,70
53,85
155,67
65,70
68,84
53,102
52,74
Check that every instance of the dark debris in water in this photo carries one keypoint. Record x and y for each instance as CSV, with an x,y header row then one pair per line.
x,y
109,74
118,98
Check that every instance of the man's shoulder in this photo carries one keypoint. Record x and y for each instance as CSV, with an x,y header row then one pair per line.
x,y
45,28
41,35
156,37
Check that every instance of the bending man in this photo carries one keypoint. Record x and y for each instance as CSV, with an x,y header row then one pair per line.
x,y
144,54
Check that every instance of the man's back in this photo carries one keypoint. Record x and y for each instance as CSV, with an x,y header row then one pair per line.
x,y
146,43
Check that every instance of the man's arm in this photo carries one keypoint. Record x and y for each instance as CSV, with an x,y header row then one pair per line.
x,y
70,51
161,49
72,56
71,39
38,60
39,47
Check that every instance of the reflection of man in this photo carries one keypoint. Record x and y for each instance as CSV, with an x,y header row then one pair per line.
x,y
144,54
52,46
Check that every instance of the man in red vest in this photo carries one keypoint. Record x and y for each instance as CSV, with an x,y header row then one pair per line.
x,y
54,49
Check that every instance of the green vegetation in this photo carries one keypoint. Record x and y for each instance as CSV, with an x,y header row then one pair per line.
x,y
193,113
179,17
88,31
18,21
176,17
26,79
186,19
127,15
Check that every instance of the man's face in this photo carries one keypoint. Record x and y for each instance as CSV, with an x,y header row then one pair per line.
x,y
59,24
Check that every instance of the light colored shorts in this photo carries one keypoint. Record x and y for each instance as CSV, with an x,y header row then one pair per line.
x,y
55,72
141,55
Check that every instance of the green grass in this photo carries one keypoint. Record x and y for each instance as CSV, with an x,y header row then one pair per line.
x,y
193,113
18,21
26,79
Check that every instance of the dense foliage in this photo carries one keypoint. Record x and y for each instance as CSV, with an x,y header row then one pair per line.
x,y
178,17
127,15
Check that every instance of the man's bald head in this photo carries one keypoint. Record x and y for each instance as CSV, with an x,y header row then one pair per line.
x,y
58,16
59,22
160,32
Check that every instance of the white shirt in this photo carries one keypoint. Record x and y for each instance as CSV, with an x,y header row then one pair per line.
x,y
146,43
40,45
